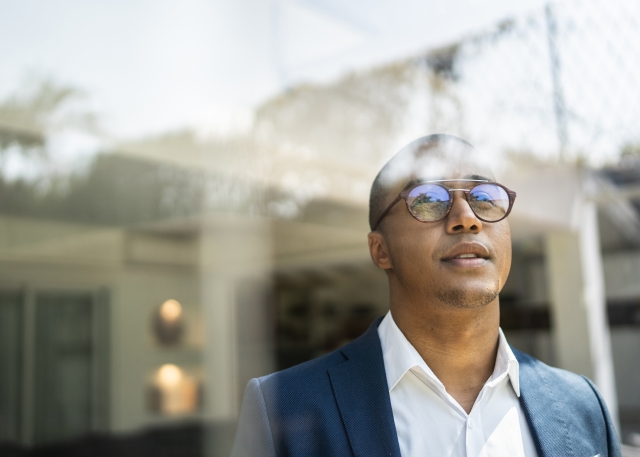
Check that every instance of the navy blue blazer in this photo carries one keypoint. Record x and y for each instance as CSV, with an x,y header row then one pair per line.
x,y
339,405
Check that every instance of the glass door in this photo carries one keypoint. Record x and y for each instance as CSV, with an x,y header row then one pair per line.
x,y
64,364
10,364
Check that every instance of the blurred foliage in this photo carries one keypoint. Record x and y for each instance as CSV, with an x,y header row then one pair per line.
x,y
494,88
121,189
354,119
443,61
231,154
37,108
115,190
326,141
440,69
630,150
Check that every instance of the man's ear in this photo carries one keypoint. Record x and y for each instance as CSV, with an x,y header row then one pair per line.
x,y
379,250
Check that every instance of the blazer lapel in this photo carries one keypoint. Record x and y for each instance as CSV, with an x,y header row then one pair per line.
x,y
360,389
545,417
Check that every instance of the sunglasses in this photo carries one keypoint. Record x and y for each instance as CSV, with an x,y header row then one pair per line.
x,y
431,201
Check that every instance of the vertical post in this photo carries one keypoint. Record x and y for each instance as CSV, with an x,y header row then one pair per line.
x,y
558,96
277,42
28,367
100,360
220,354
235,276
578,303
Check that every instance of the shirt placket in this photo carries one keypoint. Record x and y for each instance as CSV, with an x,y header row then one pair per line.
x,y
474,438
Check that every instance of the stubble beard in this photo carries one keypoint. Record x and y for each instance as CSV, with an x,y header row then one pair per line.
x,y
459,298
465,299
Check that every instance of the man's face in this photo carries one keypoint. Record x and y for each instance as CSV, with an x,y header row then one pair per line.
x,y
432,259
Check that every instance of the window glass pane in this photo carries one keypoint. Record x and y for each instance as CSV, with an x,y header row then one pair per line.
x,y
11,364
185,197
64,363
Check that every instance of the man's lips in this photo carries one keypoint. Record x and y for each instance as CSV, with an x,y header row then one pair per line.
x,y
467,255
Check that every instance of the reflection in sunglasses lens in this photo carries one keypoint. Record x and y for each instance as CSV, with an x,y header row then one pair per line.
x,y
489,201
429,202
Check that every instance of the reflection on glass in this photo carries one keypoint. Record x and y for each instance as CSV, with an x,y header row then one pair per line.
x,y
168,323
139,263
173,391
170,311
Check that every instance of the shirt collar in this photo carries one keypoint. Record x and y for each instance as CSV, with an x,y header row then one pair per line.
x,y
400,356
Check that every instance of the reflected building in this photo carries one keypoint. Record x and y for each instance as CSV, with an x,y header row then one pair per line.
x,y
138,295
127,319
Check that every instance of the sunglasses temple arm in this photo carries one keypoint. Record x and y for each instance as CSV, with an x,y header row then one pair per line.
x,y
386,211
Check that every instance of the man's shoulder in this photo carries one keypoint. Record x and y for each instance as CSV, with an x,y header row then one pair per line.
x,y
303,390
565,409
311,371
558,375
365,348
305,407
563,386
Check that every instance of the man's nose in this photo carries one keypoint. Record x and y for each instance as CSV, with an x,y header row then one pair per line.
x,y
461,219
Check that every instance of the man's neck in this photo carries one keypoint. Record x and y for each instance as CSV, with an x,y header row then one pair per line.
x,y
459,345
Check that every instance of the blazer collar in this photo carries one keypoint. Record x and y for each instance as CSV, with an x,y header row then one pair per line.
x,y
400,356
362,395
360,389
546,418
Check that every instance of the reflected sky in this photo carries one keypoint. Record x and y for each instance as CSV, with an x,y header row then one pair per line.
x,y
153,66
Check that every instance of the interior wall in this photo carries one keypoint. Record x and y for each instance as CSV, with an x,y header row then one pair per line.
x,y
49,256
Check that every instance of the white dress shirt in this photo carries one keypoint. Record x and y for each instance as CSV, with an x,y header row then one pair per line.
x,y
430,422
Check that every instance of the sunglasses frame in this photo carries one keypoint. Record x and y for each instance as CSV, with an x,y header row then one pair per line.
x,y
405,194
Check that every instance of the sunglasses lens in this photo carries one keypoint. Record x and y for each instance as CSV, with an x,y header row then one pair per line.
x,y
429,202
489,201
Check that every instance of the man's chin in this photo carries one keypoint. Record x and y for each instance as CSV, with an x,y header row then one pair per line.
x,y
467,299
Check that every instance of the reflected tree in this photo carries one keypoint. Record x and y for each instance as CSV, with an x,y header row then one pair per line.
x,y
353,120
38,108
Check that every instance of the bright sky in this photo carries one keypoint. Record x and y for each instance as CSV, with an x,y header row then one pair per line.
x,y
152,66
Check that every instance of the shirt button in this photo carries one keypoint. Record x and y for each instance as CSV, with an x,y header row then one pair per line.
x,y
470,423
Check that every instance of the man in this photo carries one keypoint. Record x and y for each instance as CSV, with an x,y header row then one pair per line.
x,y
436,376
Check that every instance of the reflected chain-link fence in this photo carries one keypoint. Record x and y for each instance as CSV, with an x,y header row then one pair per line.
x,y
562,80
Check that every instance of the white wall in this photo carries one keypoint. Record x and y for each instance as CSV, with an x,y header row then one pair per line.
x,y
136,293
139,272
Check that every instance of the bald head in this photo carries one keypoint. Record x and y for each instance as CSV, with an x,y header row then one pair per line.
x,y
430,157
